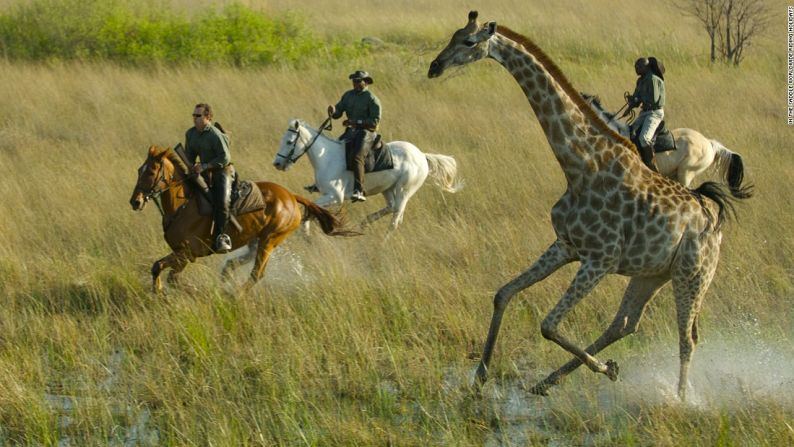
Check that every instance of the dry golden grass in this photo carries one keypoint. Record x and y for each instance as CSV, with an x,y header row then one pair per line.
x,y
361,341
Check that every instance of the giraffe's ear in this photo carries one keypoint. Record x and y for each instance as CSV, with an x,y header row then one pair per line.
x,y
491,28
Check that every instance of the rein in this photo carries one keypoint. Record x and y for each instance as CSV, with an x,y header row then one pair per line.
x,y
326,125
154,194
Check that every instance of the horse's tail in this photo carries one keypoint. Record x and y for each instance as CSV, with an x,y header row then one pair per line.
x,y
731,167
444,172
332,223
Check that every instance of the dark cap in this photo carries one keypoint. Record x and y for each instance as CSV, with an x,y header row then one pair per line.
x,y
361,74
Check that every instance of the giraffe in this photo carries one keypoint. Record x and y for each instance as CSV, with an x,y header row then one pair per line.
x,y
615,217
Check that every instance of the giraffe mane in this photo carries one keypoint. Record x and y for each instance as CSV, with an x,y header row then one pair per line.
x,y
566,85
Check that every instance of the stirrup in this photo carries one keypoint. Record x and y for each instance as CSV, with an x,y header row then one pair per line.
x,y
223,244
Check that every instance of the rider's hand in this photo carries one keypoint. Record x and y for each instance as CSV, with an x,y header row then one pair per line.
x,y
346,123
197,168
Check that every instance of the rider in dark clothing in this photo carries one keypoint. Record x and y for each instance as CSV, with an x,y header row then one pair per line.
x,y
649,93
363,112
211,146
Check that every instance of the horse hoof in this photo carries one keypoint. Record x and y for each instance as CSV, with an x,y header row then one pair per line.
x,y
612,370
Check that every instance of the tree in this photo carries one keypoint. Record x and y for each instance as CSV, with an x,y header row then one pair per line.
x,y
744,21
732,25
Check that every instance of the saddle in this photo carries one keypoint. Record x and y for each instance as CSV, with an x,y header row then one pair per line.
x,y
663,139
246,198
379,157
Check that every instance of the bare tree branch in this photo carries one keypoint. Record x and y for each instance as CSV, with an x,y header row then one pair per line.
x,y
732,25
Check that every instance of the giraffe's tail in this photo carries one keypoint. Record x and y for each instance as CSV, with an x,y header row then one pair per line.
x,y
724,201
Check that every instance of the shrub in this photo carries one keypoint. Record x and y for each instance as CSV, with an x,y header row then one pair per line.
x,y
113,30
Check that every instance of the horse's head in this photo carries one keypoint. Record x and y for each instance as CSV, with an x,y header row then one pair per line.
x,y
468,44
292,146
153,177
593,101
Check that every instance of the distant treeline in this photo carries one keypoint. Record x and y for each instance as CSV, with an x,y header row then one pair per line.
x,y
114,30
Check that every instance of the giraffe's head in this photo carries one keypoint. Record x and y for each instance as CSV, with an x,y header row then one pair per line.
x,y
468,44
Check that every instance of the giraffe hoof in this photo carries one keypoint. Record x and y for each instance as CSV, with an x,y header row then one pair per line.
x,y
612,370
481,376
540,389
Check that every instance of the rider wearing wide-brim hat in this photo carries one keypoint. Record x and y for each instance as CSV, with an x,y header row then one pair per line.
x,y
363,111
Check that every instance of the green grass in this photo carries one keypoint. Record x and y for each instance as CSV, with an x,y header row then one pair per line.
x,y
133,34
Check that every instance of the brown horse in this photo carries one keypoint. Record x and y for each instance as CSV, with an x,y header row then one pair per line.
x,y
164,175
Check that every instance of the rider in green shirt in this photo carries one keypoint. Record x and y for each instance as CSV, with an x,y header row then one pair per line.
x,y
363,112
211,146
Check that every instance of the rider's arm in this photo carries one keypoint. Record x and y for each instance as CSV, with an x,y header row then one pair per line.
x,y
373,113
221,154
340,107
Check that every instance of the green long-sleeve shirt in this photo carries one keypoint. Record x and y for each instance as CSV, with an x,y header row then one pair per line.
x,y
209,145
359,105
649,91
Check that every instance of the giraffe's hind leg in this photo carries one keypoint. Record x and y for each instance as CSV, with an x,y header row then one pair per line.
x,y
692,276
688,303
638,293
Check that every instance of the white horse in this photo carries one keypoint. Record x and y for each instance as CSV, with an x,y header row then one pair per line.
x,y
693,153
335,182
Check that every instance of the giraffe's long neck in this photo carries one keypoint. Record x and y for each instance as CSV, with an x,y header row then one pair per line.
x,y
569,131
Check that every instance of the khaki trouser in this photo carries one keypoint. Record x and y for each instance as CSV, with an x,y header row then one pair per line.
x,y
647,123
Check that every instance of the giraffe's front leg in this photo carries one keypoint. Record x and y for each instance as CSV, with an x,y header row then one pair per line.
x,y
555,257
588,276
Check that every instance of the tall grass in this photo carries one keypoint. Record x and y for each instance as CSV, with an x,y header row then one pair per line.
x,y
367,341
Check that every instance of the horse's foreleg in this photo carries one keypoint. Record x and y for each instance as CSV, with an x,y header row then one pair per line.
x,y
175,261
375,216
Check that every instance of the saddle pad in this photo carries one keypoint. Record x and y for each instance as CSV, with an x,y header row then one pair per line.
x,y
246,198
664,141
379,159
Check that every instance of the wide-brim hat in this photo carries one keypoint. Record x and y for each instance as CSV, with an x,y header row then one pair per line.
x,y
361,74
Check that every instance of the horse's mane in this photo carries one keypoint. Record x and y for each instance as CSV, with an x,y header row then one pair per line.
x,y
558,75
167,152
177,161
316,130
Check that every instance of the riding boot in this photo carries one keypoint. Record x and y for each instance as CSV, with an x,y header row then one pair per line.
x,y
221,198
646,153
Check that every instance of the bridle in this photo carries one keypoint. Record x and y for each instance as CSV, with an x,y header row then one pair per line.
x,y
157,190
291,157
